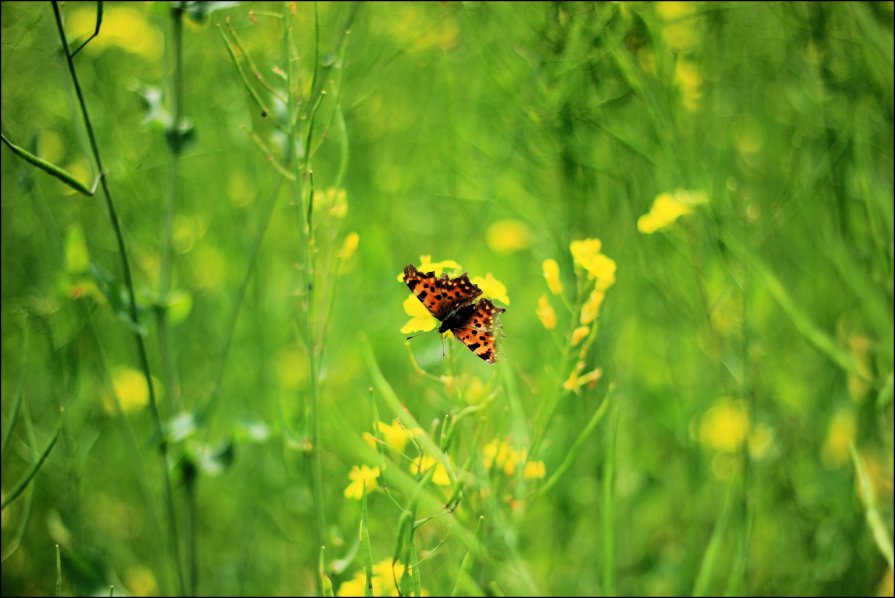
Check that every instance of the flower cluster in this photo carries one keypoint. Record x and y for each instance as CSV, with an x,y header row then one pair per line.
x,y
501,455
383,580
596,274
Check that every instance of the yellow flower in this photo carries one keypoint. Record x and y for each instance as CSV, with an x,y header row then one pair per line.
x,y
591,308
499,453
333,201
535,470
667,208
424,463
131,390
394,435
349,246
354,586
546,314
359,476
840,433
127,28
427,265
508,236
725,426
574,381
579,334
420,318
603,267
383,581
492,288
584,251
140,581
496,453
678,28
586,254
551,275
688,78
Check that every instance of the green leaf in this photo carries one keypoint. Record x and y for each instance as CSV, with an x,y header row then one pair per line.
x,y
32,471
50,169
881,535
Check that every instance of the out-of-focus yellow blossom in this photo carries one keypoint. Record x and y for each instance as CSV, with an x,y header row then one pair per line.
x,y
331,201
492,288
424,463
382,580
292,368
420,318
535,470
508,236
591,308
579,334
725,426
359,476
394,435
546,314
678,27
349,246
574,381
412,28
668,207
840,433
208,265
131,390
126,28
355,586
140,581
688,78
551,275
474,391
499,453
858,386
427,265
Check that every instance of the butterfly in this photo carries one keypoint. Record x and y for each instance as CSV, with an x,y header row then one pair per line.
x,y
451,301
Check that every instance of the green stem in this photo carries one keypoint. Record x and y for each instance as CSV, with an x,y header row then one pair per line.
x,y
608,511
164,337
129,284
307,240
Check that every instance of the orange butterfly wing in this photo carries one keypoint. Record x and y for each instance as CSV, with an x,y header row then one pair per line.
x,y
440,295
478,331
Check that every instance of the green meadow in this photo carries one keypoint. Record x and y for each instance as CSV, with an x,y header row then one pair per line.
x,y
685,210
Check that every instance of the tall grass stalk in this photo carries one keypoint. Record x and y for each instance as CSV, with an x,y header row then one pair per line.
x,y
129,285
303,192
175,144
608,508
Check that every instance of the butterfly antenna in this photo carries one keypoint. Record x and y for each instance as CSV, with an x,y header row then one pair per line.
x,y
416,335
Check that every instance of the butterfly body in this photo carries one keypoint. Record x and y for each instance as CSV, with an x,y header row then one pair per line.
x,y
451,300
456,318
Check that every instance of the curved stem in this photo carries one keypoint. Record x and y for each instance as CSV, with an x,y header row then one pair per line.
x,y
129,284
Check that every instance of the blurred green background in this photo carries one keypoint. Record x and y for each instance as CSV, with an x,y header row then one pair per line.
x,y
748,344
